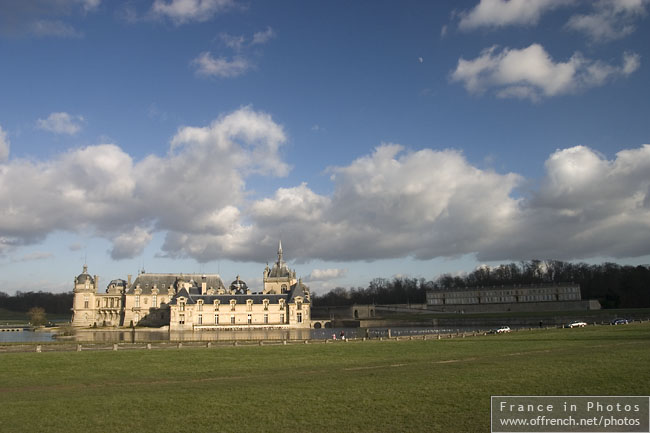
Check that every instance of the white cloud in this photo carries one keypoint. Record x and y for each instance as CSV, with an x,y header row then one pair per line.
x,y
610,19
501,13
183,11
197,187
130,244
325,274
589,206
207,65
4,145
390,203
61,123
263,37
530,73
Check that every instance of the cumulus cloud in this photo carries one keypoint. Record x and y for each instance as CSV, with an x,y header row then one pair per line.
x,y
609,19
4,145
390,203
325,274
130,244
184,11
208,65
196,188
501,13
531,73
61,123
588,205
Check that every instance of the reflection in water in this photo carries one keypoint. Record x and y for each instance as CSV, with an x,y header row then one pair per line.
x,y
26,337
145,335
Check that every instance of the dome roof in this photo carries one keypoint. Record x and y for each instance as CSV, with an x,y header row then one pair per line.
x,y
84,276
238,285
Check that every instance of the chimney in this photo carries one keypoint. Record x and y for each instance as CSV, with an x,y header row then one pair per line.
x,y
129,280
96,282
203,284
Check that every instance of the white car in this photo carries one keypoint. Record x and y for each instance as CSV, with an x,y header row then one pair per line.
x,y
502,330
577,324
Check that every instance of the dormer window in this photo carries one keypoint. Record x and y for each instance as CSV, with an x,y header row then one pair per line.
x,y
298,305
284,288
281,304
200,304
181,304
233,302
216,305
266,304
249,304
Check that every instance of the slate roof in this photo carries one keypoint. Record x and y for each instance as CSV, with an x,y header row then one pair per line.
x,y
257,298
164,281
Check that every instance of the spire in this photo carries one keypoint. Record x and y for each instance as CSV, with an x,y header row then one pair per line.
x,y
280,252
85,269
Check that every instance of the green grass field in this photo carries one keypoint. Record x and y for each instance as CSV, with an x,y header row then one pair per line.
x,y
372,386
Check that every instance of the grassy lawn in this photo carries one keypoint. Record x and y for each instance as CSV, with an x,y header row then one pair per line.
x,y
372,386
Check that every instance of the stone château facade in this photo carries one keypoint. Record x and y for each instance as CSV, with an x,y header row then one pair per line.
x,y
194,301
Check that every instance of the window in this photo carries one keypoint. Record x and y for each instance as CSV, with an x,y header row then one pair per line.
x,y
137,317
86,301
154,300
200,319
216,319
266,305
299,317
181,319
137,301
249,304
266,318
181,305
216,305
281,304
299,306
112,302
106,303
232,304
200,305
250,319
232,319
284,288
281,318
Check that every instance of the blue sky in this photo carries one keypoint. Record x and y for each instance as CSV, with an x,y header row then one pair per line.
x,y
374,138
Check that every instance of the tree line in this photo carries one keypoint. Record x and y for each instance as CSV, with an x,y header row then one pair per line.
x,y
615,286
52,303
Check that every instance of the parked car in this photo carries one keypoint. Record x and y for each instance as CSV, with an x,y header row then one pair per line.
x,y
502,330
620,322
577,324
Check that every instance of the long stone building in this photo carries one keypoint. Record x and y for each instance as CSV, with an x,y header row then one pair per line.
x,y
194,301
523,297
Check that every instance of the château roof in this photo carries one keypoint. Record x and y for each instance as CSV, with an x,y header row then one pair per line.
x,y
164,281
